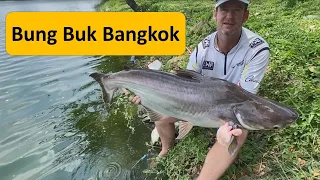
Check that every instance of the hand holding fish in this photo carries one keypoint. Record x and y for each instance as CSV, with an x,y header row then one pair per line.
x,y
133,99
225,133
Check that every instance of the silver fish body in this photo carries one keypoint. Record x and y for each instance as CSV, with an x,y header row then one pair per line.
x,y
199,100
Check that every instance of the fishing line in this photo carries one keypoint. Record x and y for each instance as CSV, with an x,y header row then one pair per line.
x,y
143,157
131,170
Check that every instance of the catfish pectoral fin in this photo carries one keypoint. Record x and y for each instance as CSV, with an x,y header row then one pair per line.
x,y
184,128
232,145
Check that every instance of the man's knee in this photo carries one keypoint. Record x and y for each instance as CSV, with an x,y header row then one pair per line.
x,y
166,121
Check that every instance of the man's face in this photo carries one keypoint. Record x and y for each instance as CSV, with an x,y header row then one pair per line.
x,y
230,17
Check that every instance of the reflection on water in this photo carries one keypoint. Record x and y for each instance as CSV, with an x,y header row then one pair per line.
x,y
53,123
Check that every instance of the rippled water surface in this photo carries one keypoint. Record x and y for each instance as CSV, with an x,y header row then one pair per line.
x,y
53,124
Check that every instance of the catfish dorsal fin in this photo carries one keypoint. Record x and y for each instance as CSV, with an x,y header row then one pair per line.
x,y
184,128
189,74
154,116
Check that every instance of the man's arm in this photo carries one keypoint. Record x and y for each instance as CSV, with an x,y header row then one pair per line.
x,y
254,71
194,63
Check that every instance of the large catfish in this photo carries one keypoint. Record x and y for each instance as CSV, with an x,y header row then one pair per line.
x,y
197,100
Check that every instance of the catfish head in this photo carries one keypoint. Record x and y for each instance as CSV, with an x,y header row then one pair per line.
x,y
264,115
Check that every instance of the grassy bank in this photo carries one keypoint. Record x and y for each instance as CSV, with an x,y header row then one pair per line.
x,y
292,28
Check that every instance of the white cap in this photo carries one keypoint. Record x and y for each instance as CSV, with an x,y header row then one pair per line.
x,y
219,2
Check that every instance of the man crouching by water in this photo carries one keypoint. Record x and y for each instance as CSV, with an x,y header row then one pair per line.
x,y
233,53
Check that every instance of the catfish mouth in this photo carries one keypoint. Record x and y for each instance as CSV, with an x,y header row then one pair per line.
x,y
287,111
294,115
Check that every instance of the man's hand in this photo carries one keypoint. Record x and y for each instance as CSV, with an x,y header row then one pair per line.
x,y
133,99
224,134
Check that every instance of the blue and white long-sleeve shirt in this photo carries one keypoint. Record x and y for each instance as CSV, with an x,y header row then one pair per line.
x,y
245,64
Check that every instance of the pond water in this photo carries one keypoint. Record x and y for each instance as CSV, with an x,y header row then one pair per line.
x,y
53,123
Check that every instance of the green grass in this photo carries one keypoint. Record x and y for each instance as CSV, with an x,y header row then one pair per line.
x,y
292,28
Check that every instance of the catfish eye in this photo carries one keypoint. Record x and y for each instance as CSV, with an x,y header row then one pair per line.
x,y
276,127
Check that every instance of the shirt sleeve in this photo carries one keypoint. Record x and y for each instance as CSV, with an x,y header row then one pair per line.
x,y
194,63
254,71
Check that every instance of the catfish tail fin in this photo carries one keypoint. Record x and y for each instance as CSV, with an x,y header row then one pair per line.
x,y
107,93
